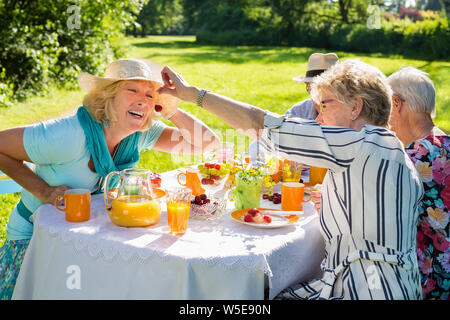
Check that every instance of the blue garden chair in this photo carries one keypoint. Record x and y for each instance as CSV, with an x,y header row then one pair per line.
x,y
7,185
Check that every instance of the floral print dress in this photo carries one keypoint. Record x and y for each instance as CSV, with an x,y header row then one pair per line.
x,y
431,159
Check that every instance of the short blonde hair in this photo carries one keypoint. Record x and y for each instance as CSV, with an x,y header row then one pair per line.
x,y
99,103
351,79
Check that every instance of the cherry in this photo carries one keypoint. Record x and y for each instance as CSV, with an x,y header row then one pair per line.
x,y
158,108
248,218
253,211
203,196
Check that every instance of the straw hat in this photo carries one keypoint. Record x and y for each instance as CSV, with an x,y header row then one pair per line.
x,y
317,63
130,69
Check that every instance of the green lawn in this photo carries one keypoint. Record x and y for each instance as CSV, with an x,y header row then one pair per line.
x,y
257,75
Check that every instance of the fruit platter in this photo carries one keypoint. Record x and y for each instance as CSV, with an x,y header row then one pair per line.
x,y
213,176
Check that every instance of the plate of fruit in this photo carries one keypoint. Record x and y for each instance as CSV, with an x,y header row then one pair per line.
x,y
207,208
213,175
264,218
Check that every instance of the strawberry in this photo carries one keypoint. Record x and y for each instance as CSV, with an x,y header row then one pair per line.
x,y
268,219
217,166
253,211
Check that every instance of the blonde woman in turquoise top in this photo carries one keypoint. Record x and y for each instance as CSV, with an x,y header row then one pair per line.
x,y
117,121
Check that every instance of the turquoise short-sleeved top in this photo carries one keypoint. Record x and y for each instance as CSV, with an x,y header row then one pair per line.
x,y
58,149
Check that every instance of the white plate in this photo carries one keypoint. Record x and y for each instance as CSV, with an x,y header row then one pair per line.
x,y
279,220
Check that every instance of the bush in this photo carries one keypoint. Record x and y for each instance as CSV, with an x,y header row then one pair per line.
x,y
6,90
243,22
48,42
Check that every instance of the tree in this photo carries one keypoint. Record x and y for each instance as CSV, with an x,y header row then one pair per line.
x,y
344,6
291,12
161,17
50,41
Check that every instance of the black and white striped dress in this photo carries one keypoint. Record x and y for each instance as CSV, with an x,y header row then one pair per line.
x,y
369,215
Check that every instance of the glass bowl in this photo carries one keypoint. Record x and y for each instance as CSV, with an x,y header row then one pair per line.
x,y
213,176
212,210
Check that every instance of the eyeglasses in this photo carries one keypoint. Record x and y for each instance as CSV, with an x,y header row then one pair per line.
x,y
398,96
323,102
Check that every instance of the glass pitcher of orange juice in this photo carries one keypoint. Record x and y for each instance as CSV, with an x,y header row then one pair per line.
x,y
132,202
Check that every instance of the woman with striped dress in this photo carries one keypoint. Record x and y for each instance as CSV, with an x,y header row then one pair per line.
x,y
371,192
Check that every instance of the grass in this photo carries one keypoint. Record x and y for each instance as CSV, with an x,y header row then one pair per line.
x,y
257,75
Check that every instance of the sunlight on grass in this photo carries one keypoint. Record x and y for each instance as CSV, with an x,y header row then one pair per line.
x,y
261,76
59,103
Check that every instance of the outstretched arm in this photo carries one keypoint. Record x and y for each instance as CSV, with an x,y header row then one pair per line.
x,y
190,136
241,116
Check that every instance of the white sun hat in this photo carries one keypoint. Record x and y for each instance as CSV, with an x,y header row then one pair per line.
x,y
130,69
317,63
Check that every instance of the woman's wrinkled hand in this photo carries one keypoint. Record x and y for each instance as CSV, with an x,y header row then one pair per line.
x,y
176,86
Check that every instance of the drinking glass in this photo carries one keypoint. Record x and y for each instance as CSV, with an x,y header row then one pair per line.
x,y
178,202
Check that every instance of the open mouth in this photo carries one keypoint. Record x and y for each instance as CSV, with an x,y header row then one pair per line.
x,y
136,114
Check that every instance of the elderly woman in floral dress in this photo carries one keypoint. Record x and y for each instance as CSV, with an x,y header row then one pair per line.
x,y
429,148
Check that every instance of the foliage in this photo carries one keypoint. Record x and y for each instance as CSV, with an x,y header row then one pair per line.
x,y
412,14
6,90
159,17
7,203
429,39
48,42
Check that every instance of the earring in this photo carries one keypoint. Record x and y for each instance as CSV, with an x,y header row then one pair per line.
x,y
106,123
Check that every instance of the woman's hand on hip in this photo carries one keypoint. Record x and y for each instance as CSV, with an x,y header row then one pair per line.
x,y
51,193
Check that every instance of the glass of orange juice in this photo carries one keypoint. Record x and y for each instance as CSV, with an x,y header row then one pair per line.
x,y
291,171
178,202
316,175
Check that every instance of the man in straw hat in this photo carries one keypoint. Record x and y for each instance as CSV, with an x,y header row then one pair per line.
x,y
317,63
116,121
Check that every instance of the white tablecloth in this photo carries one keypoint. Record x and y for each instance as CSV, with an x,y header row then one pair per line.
x,y
220,259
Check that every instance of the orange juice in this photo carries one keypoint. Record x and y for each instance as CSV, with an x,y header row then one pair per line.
x,y
316,175
135,211
177,217
291,171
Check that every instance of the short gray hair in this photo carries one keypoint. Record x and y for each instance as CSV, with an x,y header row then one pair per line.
x,y
416,88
